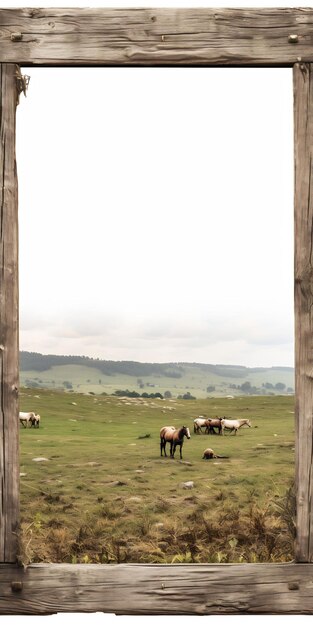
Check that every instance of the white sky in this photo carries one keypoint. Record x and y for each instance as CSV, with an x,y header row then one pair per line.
x,y
156,209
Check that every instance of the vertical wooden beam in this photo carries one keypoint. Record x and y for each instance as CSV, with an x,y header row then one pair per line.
x,y
303,133
9,355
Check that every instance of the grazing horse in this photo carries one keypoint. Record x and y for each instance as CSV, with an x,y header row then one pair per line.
x,y
198,424
29,418
234,424
210,454
211,424
175,436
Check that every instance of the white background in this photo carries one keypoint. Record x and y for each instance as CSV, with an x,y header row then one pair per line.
x,y
99,619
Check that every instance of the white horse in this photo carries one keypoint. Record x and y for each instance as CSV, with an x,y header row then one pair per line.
x,y
199,423
30,418
234,424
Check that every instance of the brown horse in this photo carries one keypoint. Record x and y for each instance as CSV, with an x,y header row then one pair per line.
x,y
210,454
165,437
213,423
174,436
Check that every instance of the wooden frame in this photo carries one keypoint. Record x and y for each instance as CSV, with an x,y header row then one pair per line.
x,y
150,37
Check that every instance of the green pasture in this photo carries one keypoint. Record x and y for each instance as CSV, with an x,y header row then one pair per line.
x,y
104,494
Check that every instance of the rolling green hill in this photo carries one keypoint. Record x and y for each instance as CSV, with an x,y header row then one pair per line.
x,y
87,375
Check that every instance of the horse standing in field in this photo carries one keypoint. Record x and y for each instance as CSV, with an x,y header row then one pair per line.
x,y
174,436
34,420
29,418
165,437
199,423
213,423
234,424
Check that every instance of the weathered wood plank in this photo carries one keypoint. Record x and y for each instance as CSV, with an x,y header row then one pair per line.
x,y
156,36
146,37
303,128
9,359
150,589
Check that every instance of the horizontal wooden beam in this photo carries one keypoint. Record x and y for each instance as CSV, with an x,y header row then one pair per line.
x,y
155,589
278,37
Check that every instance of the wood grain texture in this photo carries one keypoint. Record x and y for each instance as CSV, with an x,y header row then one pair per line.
x,y
9,357
157,589
156,36
303,128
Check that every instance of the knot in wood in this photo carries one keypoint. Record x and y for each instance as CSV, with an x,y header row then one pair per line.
x,y
34,12
14,390
305,281
16,37
293,586
17,586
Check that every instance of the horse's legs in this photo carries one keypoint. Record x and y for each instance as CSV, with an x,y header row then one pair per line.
x,y
162,446
180,447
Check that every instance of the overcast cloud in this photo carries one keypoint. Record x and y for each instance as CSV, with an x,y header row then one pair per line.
x,y
156,212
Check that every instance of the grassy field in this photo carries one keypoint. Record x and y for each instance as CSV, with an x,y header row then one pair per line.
x,y
103,494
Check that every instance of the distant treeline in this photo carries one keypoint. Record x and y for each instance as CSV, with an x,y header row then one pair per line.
x,y
34,361
125,393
